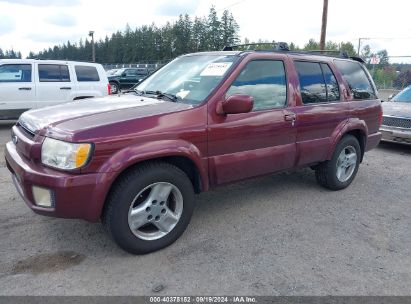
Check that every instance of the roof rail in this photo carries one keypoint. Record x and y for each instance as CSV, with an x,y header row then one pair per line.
x,y
275,46
332,53
283,47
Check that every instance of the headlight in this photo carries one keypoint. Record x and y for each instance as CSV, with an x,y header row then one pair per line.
x,y
64,155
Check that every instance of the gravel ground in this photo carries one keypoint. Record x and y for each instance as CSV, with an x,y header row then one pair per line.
x,y
276,235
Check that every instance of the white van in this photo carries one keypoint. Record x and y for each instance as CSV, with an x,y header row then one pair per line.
x,y
29,83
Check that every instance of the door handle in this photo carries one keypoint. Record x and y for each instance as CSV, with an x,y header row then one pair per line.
x,y
65,88
25,89
290,117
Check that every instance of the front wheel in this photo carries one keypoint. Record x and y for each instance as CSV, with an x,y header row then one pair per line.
x,y
149,208
339,172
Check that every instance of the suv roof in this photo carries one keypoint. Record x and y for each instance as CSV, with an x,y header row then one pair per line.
x,y
30,61
282,47
325,55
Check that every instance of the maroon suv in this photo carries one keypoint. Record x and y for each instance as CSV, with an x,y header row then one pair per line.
x,y
205,119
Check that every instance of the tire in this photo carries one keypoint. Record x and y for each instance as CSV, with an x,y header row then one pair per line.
x,y
139,214
115,88
339,172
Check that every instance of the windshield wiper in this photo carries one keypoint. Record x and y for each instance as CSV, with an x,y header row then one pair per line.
x,y
158,94
169,96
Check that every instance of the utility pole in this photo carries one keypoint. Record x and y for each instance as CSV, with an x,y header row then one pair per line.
x,y
359,45
324,25
93,50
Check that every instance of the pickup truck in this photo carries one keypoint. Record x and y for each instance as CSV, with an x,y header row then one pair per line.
x,y
135,161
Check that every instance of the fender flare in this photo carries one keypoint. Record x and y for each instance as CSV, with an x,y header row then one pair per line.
x,y
352,124
132,155
116,82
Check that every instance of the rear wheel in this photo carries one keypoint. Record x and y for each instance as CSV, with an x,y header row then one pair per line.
x,y
339,172
114,87
149,208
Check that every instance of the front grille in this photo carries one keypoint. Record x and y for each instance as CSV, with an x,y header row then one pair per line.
x,y
396,122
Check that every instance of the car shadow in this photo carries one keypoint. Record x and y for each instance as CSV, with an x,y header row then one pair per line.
x,y
394,147
256,190
91,239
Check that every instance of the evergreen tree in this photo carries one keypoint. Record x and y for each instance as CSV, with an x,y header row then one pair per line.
x,y
214,38
151,43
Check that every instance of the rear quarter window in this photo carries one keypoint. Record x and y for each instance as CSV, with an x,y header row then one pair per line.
x,y
86,73
357,79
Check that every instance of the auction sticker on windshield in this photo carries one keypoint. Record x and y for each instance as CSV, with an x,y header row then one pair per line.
x,y
216,69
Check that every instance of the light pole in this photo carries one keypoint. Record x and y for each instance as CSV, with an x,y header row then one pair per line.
x,y
359,45
93,50
324,25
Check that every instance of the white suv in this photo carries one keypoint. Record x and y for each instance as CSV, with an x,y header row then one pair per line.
x,y
28,83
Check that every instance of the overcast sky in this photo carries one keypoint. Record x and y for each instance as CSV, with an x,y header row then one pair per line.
x,y
37,24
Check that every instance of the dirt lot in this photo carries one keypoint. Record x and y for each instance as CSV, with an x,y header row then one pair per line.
x,y
276,235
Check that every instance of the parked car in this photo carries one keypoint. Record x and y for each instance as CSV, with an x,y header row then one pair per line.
x,y
204,120
396,123
126,78
27,83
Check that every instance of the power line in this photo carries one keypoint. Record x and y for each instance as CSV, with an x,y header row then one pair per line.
x,y
231,5
388,38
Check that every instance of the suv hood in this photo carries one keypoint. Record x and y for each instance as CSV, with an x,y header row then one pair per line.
x,y
94,112
400,109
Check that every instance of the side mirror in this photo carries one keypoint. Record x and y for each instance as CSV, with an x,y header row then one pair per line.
x,y
391,97
237,103
123,75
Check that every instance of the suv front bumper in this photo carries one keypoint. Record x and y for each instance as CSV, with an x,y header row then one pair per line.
x,y
74,195
396,135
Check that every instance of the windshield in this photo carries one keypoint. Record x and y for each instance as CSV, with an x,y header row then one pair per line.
x,y
190,78
119,72
403,96
111,72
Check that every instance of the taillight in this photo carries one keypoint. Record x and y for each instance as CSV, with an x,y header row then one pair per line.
x,y
108,88
380,118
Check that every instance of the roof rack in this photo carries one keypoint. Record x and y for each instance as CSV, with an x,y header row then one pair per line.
x,y
283,47
276,46
359,59
330,53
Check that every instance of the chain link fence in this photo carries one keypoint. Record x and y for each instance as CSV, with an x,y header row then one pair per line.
x,y
151,66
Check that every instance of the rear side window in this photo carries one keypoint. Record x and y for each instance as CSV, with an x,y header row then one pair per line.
x,y
131,72
333,92
265,81
142,72
357,79
86,73
53,73
15,73
317,82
